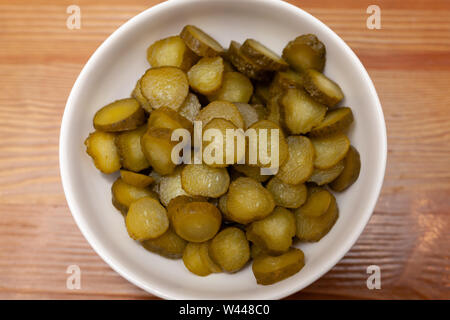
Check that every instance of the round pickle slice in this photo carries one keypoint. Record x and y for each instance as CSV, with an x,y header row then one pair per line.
x,y
248,201
146,219
221,109
322,89
300,164
200,42
314,228
203,180
124,194
129,147
169,245
101,148
137,94
177,203
245,65
205,77
165,87
287,195
305,52
157,147
230,249
317,203
170,187
197,221
273,233
121,115
193,260
268,270
330,150
263,56
165,117
235,88
352,167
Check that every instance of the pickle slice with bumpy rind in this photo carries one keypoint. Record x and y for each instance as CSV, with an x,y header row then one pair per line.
x,y
330,150
165,87
274,233
315,228
236,87
157,147
324,176
205,77
168,245
230,249
197,221
348,176
124,194
136,179
244,65
300,164
102,149
248,201
300,113
129,147
120,115
336,120
269,270
200,42
263,56
287,195
305,52
317,203
137,94
322,89
221,109
171,51
203,180
146,219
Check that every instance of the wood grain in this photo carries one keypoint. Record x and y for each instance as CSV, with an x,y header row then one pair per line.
x,y
408,60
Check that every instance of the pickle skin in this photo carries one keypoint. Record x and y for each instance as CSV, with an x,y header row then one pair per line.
x,y
352,167
244,64
199,46
273,62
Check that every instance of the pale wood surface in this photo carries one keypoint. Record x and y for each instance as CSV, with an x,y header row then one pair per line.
x,y
408,235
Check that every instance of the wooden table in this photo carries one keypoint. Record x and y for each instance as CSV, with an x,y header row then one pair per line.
x,y
408,235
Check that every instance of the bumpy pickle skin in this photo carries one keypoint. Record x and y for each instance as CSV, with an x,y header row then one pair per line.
x,y
120,115
230,249
263,56
168,245
206,76
136,179
274,233
129,147
312,229
236,87
146,219
350,173
165,87
300,164
336,120
269,270
245,65
101,148
322,89
248,201
197,221
171,51
137,94
200,42
305,52
203,180
287,195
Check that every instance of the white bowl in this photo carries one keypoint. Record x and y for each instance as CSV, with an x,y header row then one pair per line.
x,y
111,73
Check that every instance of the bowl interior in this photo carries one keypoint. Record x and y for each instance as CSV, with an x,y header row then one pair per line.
x,y
111,73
